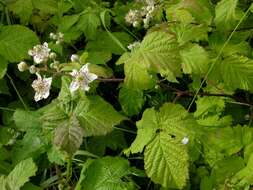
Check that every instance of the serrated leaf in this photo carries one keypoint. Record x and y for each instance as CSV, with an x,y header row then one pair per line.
x,y
22,8
26,120
147,127
106,173
236,72
131,100
88,23
15,41
20,174
99,57
166,161
96,116
69,136
171,118
56,156
226,15
194,60
158,52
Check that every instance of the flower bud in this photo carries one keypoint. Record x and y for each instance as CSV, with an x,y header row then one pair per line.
x,y
74,58
22,66
52,55
32,69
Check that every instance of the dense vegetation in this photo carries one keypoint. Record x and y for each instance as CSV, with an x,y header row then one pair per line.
x,y
124,95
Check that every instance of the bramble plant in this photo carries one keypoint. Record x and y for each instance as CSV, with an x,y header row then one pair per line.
x,y
125,95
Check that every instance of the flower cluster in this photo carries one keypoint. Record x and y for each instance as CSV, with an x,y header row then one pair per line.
x,y
144,15
58,37
42,57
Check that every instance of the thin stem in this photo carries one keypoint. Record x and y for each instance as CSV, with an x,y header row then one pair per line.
x,y
7,109
217,58
110,80
125,130
69,170
16,90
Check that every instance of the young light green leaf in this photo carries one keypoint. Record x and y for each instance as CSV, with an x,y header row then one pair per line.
x,y
226,14
194,60
166,161
20,174
15,41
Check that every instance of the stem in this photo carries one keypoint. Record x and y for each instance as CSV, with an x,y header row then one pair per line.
x,y
217,58
7,109
110,80
69,170
125,130
16,90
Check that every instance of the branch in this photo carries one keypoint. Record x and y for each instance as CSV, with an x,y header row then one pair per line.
x,y
181,93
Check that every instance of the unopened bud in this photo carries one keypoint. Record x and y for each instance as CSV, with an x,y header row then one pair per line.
x,y
74,58
52,55
22,66
32,69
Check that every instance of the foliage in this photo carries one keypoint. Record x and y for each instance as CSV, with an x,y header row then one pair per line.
x,y
125,95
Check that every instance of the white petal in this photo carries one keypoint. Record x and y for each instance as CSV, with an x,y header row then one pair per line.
x,y
37,97
37,59
85,68
74,73
31,52
86,87
91,77
74,86
48,81
39,76
46,94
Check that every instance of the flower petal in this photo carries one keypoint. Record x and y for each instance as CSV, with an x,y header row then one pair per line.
x,y
85,68
91,77
74,86
38,97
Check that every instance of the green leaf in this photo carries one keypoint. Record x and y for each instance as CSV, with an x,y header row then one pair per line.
x,y
99,57
103,42
69,136
56,156
225,169
147,127
236,72
165,156
22,8
26,120
244,177
131,100
166,161
226,14
46,6
3,66
20,174
106,173
88,23
158,52
194,60
96,116
15,41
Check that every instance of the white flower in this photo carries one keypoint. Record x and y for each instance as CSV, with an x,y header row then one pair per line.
x,y
133,16
74,58
82,79
22,66
41,87
32,69
40,53
185,140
